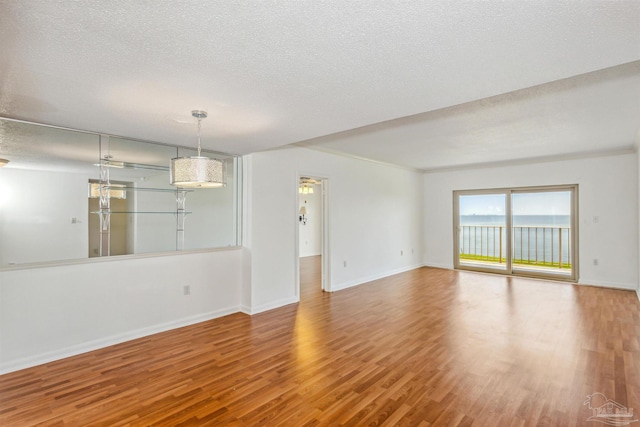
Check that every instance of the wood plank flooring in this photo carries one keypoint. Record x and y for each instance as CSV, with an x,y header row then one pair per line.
x,y
428,347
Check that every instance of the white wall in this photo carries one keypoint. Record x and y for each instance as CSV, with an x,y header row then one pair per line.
x,y
311,232
374,214
36,216
54,312
608,189
638,159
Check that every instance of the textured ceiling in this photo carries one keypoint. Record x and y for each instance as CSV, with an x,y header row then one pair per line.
x,y
470,82
592,114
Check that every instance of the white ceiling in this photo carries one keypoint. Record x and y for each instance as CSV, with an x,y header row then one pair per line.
x,y
422,84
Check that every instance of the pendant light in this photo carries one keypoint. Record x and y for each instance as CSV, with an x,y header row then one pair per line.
x,y
197,171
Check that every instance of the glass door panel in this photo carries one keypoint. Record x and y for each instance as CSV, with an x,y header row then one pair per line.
x,y
542,238
482,232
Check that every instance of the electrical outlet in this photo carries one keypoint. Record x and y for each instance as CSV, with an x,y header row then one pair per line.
x,y
595,262
186,290
401,253
344,263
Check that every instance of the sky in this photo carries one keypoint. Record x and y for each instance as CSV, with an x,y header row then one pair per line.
x,y
539,203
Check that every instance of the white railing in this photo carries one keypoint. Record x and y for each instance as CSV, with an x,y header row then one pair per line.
x,y
543,246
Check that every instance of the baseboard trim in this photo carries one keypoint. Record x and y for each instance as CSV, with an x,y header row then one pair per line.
x,y
581,282
269,306
443,266
609,285
368,279
31,361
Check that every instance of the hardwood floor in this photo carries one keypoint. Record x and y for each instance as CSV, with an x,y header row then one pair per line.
x,y
428,347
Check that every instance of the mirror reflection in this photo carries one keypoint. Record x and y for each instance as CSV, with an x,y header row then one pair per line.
x,y
51,210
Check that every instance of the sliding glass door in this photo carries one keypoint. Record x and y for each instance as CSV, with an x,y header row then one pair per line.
x,y
525,231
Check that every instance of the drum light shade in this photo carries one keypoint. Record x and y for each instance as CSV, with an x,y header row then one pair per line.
x,y
197,172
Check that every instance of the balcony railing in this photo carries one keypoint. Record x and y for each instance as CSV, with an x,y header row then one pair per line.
x,y
535,246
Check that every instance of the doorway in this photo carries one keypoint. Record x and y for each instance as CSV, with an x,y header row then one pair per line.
x,y
311,236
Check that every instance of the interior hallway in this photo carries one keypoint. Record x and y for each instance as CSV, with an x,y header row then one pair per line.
x,y
310,277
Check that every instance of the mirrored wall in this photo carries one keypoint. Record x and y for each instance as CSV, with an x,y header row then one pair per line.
x,y
50,205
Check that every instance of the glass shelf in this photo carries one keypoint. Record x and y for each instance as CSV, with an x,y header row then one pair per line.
x,y
159,190
145,212
128,165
